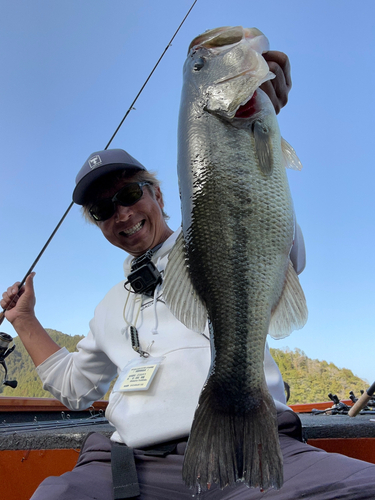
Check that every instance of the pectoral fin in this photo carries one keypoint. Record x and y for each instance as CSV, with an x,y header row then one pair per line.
x,y
263,146
291,311
179,292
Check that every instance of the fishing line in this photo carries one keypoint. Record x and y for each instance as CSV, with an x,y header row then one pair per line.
x,y
2,314
149,76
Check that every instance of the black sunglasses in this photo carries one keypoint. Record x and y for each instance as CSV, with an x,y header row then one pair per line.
x,y
126,197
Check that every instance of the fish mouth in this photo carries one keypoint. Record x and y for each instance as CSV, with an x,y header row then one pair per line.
x,y
132,230
226,35
249,108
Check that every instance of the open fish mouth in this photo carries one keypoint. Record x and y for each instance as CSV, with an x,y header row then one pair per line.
x,y
234,57
226,35
244,111
249,108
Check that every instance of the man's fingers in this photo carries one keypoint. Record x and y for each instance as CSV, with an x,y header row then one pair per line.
x,y
278,88
279,83
29,283
11,296
282,60
11,291
269,89
8,300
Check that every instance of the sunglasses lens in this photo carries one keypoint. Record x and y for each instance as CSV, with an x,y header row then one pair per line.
x,y
102,210
129,194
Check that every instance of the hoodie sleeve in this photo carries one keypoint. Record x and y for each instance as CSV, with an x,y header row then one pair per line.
x,y
78,379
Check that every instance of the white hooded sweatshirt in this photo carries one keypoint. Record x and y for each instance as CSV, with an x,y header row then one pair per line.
x,y
163,412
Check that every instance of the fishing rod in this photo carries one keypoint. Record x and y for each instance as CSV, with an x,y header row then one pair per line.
x,y
131,107
362,401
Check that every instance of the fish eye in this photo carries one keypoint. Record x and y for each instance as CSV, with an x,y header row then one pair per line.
x,y
198,65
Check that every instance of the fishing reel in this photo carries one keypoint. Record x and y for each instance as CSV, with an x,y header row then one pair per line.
x,y
338,408
5,340
370,406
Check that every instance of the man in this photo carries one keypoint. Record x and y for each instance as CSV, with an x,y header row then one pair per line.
x,y
128,329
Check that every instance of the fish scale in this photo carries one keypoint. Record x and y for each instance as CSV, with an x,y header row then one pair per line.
x,y
237,232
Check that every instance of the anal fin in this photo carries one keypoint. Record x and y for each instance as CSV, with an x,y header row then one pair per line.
x,y
291,311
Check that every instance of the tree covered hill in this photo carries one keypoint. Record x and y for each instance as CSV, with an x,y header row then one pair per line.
x,y
309,380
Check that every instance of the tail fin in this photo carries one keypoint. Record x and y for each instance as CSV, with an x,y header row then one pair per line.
x,y
227,447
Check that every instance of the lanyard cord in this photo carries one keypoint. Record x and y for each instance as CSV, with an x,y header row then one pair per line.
x,y
137,298
2,314
134,337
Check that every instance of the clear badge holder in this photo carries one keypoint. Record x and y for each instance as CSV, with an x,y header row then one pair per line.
x,y
138,374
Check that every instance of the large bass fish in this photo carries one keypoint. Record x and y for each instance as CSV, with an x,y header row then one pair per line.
x,y
231,261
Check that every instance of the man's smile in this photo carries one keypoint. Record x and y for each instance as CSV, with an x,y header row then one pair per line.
x,y
134,229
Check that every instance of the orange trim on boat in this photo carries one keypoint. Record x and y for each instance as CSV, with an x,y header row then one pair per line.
x,y
52,404
308,407
17,404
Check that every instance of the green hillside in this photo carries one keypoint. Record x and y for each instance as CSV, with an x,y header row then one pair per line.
x,y
309,380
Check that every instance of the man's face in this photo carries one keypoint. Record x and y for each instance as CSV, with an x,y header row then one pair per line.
x,y
137,228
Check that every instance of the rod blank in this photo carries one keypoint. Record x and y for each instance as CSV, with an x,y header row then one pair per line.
x,y
362,401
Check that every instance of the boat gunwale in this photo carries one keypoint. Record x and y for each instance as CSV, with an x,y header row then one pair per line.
x,y
19,404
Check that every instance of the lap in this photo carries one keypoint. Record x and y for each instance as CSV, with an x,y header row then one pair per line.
x,y
308,473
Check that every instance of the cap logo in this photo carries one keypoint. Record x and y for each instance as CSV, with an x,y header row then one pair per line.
x,y
95,161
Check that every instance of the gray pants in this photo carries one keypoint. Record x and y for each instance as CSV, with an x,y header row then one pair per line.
x,y
309,473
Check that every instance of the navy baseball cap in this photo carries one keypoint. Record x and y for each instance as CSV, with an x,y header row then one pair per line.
x,y
99,164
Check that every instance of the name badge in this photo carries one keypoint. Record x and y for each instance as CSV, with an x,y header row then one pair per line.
x,y
138,374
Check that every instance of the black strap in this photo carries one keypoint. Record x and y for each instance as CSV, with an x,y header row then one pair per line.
x,y
124,473
163,449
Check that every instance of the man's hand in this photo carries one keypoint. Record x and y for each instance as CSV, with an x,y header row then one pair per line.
x,y
19,303
278,88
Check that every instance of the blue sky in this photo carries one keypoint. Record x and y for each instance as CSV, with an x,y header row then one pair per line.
x,y
70,71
